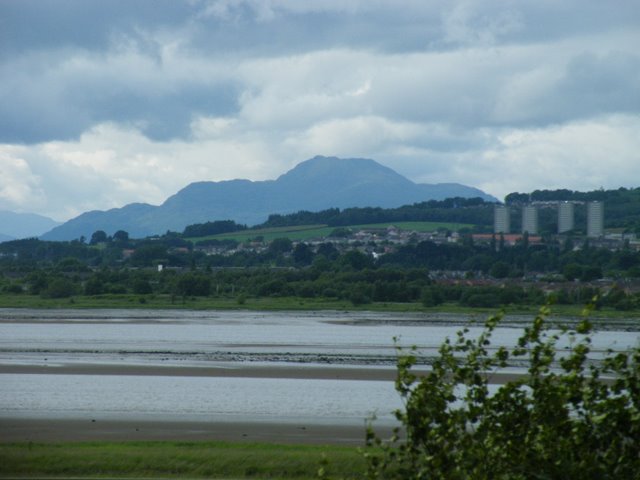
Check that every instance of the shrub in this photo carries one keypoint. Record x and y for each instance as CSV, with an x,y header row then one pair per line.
x,y
59,288
14,288
559,420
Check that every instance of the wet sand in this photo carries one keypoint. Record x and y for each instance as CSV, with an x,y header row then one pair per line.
x,y
72,430
313,372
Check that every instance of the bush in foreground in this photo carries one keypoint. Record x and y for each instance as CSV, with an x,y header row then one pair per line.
x,y
568,417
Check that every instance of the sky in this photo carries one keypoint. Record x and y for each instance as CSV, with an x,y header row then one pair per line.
x,y
104,103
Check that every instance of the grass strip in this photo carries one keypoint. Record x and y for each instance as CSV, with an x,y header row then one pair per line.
x,y
178,460
164,301
307,232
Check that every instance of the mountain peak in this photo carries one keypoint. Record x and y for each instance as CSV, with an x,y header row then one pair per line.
x,y
315,184
23,225
339,171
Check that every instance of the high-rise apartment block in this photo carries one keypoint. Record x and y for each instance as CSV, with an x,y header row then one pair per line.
x,y
565,217
595,219
501,220
530,219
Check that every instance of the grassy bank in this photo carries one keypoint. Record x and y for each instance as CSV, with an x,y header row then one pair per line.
x,y
308,232
280,303
177,460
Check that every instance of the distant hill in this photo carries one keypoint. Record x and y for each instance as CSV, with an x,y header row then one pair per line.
x,y
316,184
23,225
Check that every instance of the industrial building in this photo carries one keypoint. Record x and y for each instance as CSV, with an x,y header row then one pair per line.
x,y
595,219
530,219
501,219
565,217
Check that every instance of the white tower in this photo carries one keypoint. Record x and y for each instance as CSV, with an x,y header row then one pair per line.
x,y
501,223
595,219
565,217
530,219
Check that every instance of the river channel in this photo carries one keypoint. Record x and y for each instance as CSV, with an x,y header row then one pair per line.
x,y
331,368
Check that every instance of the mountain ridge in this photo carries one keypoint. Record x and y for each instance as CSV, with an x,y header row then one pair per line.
x,y
23,225
315,184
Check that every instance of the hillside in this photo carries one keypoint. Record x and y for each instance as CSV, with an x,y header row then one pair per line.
x,y
316,184
23,225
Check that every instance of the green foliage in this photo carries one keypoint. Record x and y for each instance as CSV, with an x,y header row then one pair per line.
x,y
302,254
340,232
193,284
212,228
454,210
280,246
59,287
121,236
431,297
356,260
13,288
499,269
99,236
94,286
567,417
141,286
146,255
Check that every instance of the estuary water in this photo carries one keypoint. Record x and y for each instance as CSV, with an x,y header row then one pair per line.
x,y
316,367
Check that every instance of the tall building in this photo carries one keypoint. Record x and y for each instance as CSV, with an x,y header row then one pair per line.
x,y
595,219
501,220
565,217
530,219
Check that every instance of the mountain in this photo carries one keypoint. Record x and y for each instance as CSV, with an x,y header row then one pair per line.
x,y
23,225
316,184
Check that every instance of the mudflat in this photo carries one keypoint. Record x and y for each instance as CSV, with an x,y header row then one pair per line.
x,y
65,430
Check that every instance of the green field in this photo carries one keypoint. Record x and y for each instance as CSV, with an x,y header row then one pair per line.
x,y
177,460
307,232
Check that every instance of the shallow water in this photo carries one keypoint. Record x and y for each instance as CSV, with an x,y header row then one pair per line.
x,y
195,398
55,338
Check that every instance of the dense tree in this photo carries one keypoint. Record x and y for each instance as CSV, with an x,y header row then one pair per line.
x,y
99,236
121,236
212,228
302,254
146,255
559,420
94,286
356,260
193,284
279,246
59,287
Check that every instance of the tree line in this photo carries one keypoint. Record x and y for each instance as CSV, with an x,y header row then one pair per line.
x,y
412,273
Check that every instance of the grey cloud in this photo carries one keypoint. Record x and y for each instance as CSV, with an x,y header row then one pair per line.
x,y
584,86
27,25
600,84
45,96
62,97
294,25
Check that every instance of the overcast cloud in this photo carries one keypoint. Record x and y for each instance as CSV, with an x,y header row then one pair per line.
x,y
108,103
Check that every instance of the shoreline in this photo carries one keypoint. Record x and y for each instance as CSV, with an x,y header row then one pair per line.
x,y
57,430
294,305
234,370
83,427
